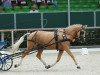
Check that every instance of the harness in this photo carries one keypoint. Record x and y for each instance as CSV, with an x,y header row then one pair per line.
x,y
63,40
55,38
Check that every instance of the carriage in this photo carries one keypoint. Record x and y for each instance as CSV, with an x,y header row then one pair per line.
x,y
6,59
39,40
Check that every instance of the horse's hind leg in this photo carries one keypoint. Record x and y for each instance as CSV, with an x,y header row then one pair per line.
x,y
25,52
23,55
39,57
58,59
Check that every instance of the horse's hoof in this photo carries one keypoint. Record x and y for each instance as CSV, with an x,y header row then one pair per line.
x,y
78,67
47,67
15,66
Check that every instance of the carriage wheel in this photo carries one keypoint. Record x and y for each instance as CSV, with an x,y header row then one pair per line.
x,y
1,64
7,62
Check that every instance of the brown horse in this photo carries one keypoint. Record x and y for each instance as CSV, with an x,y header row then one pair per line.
x,y
41,39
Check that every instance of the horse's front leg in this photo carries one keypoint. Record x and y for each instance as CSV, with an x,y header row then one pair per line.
x,y
58,59
40,58
66,48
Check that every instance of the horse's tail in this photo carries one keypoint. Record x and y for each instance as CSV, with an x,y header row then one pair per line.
x,y
15,47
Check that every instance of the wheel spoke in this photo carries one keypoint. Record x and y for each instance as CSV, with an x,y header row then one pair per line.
x,y
7,62
1,65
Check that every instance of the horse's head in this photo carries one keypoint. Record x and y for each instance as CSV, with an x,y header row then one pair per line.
x,y
77,31
81,34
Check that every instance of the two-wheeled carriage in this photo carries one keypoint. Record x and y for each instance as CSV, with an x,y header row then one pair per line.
x,y
6,60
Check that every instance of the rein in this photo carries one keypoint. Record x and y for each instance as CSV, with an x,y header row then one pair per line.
x,y
34,37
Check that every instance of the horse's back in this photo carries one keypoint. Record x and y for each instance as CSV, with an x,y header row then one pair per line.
x,y
43,36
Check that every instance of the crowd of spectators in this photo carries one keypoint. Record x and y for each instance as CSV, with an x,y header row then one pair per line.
x,y
30,3
98,4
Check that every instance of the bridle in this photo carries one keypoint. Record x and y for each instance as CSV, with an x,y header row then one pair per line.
x,y
79,38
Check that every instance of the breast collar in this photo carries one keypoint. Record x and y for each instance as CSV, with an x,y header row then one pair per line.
x,y
65,33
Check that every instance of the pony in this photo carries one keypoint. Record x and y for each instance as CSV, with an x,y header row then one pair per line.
x,y
41,39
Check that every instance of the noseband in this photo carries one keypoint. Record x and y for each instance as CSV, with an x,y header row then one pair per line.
x,y
81,37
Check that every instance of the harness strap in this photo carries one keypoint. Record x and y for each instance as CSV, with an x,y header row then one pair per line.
x,y
56,39
33,37
65,37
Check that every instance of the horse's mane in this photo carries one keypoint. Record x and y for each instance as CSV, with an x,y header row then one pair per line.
x,y
70,27
74,26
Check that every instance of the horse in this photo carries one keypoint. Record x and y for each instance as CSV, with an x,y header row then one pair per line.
x,y
40,39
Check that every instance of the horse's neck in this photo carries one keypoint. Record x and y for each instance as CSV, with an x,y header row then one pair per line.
x,y
72,33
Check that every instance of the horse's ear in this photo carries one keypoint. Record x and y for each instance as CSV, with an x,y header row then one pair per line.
x,y
84,26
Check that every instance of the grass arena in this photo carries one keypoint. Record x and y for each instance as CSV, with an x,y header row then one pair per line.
x,y
31,65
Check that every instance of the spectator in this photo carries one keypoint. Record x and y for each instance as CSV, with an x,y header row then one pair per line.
x,y
47,3
38,2
13,3
19,3
0,2
34,10
56,4
6,3
0,6
99,4
29,3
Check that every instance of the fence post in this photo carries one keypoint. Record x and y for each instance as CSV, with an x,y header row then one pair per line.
x,y
94,18
15,21
2,36
41,20
68,12
12,37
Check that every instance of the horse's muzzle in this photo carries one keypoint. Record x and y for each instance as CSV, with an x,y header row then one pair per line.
x,y
81,39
